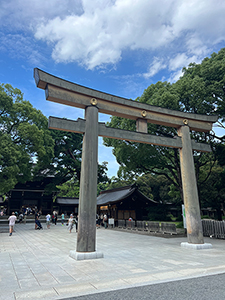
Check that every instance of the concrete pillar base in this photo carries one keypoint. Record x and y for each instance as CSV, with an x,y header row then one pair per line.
x,y
196,246
85,255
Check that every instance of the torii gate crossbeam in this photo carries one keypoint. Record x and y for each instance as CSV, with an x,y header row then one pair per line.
x,y
68,93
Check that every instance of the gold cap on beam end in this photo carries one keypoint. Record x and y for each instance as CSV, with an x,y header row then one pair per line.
x,y
94,101
144,113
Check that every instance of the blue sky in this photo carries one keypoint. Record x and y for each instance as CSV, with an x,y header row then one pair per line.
x,y
116,46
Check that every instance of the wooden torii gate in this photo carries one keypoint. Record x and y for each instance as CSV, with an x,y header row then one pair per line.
x,y
93,101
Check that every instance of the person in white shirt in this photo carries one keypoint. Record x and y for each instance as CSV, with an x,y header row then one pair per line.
x,y
105,221
70,223
48,217
12,220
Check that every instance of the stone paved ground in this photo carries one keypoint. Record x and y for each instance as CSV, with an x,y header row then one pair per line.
x,y
36,264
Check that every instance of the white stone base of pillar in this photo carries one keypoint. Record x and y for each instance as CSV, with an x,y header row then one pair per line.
x,y
196,246
85,255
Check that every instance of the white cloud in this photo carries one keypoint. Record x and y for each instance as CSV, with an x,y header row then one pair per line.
x,y
174,76
203,18
100,34
97,33
106,28
181,60
155,67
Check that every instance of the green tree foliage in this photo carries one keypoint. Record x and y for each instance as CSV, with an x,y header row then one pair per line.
x,y
211,73
28,149
158,213
212,194
66,162
200,90
102,173
137,158
154,187
24,138
71,188
65,166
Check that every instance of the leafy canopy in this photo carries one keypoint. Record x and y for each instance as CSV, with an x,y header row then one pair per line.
x,y
24,138
200,90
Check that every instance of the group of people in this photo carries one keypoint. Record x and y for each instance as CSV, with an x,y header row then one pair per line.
x,y
3,212
13,218
70,222
49,218
102,220
24,212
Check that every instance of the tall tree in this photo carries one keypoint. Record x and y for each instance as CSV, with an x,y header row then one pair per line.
x,y
212,194
24,138
71,188
137,158
28,149
65,166
200,90
212,73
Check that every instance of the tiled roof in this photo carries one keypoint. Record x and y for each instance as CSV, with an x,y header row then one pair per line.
x,y
64,200
110,196
115,195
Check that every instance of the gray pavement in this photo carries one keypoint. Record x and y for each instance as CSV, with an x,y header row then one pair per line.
x,y
35,264
201,288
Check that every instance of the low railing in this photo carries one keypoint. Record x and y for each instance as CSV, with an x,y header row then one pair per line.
x,y
153,226
213,228
130,225
122,223
168,228
148,226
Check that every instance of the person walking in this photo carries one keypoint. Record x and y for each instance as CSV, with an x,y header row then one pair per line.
x,y
25,217
105,220
36,217
70,223
62,218
37,222
55,217
97,221
12,220
101,219
48,218
20,218
76,223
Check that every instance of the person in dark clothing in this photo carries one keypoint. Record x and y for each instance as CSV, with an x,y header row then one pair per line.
x,y
36,216
55,218
37,222
76,223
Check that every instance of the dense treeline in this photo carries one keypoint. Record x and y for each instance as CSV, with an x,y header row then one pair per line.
x,y
201,90
30,151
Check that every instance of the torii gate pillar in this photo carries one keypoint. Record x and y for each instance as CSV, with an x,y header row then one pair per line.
x,y
190,193
86,248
